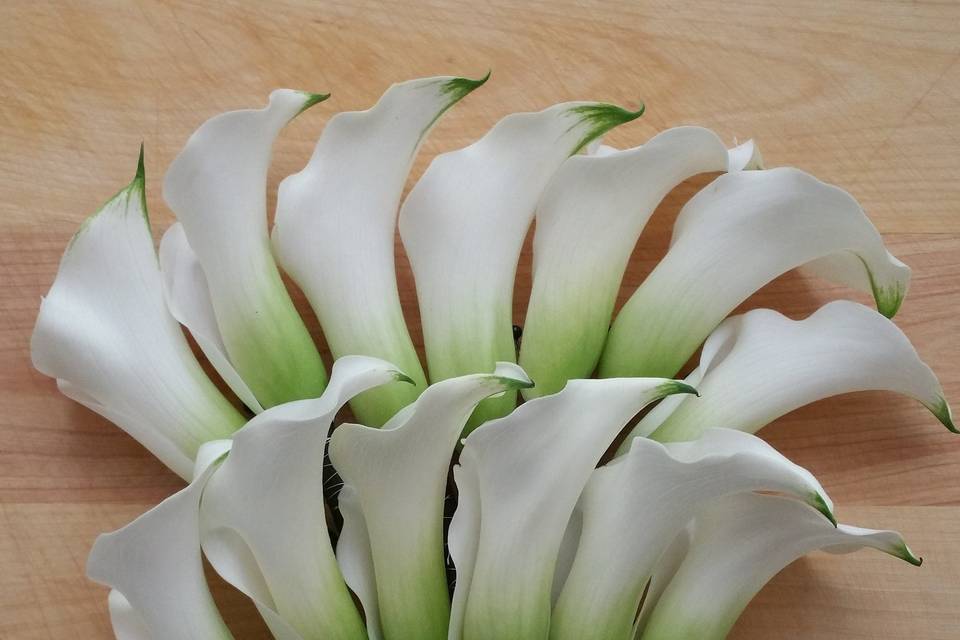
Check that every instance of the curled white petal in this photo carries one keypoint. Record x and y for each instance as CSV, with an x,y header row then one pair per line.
x,y
741,231
744,157
635,506
263,518
588,221
524,473
738,544
127,623
463,226
105,334
216,187
761,365
154,566
356,559
336,222
188,299
399,478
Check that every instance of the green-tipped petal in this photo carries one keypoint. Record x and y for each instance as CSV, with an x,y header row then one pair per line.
x,y
740,232
632,510
463,226
785,364
310,100
397,478
335,228
217,187
104,332
739,543
588,222
942,411
518,481
458,88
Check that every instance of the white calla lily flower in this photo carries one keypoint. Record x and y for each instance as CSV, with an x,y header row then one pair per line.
x,y
521,477
463,225
271,483
155,569
588,221
635,506
104,332
739,543
403,516
336,222
671,539
842,348
740,232
216,187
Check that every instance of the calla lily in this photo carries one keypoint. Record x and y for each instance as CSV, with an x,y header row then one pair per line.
x,y
335,227
671,539
403,518
463,226
635,506
841,348
271,483
217,189
738,544
104,332
520,479
155,570
737,234
588,221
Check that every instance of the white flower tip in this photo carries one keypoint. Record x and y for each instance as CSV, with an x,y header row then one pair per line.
x,y
512,376
97,560
210,453
889,542
744,157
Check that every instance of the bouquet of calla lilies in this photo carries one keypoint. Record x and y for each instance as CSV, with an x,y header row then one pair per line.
x,y
669,539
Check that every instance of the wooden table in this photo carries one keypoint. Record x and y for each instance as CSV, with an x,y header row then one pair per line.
x,y
864,95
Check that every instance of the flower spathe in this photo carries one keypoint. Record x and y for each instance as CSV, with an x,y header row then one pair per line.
x,y
105,333
543,542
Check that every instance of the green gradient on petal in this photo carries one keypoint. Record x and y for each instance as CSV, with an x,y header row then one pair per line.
x,y
887,297
581,330
516,612
270,345
675,626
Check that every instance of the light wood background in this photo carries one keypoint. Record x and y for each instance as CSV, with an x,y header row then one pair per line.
x,y
863,94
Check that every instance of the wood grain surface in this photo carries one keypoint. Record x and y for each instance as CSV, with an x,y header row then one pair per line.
x,y
862,94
